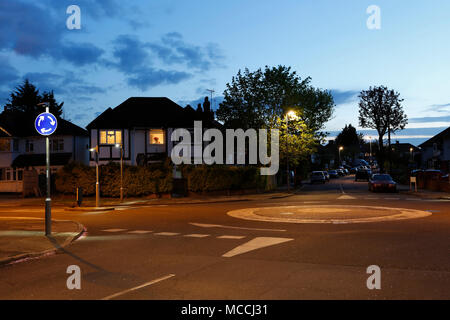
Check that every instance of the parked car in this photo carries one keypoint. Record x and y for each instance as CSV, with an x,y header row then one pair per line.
x,y
383,182
362,175
317,176
327,176
333,174
340,172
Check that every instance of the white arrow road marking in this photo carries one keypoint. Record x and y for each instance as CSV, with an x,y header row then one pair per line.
x,y
52,122
138,287
41,118
205,225
256,243
346,197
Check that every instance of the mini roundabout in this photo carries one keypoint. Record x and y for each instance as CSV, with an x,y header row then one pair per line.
x,y
334,214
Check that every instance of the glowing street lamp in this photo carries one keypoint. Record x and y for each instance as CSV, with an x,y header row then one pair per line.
x,y
289,115
119,145
97,184
340,149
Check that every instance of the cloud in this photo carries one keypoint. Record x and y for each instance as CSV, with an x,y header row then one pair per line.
x,y
150,77
8,73
439,108
341,97
35,31
130,54
430,119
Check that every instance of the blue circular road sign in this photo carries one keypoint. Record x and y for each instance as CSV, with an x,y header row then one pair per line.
x,y
45,123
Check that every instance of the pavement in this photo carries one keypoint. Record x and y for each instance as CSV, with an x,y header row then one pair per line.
x,y
199,250
24,237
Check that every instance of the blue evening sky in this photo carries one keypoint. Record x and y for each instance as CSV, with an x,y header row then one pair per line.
x,y
178,49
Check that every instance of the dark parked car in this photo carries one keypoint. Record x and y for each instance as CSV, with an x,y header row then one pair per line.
x,y
340,172
333,174
362,175
383,182
327,176
317,176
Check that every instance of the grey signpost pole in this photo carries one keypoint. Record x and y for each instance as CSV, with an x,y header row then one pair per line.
x,y
48,200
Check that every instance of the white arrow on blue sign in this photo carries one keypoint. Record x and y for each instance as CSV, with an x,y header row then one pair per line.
x,y
45,123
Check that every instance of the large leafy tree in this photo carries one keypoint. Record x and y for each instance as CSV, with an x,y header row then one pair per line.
x,y
25,99
255,99
380,109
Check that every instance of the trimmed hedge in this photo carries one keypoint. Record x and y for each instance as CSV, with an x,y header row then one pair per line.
x,y
157,179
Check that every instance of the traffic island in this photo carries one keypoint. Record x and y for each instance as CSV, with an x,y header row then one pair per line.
x,y
24,238
335,214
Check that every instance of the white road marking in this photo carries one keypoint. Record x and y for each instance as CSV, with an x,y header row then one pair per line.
x,y
114,230
166,233
139,231
230,237
256,243
286,213
391,198
346,197
138,287
205,225
196,235
374,198
413,199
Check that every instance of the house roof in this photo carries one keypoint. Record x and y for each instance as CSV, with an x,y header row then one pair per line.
x,y
147,112
442,134
404,147
38,160
18,124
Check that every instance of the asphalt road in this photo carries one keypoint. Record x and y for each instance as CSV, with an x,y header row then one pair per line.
x,y
198,251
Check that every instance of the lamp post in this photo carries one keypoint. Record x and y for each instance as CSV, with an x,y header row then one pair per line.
x,y
48,200
97,184
340,149
370,144
121,170
290,114
411,151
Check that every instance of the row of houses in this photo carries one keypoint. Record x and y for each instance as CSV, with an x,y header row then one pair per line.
x,y
141,126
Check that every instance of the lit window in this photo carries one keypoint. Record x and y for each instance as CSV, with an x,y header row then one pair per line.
x,y
5,145
110,137
156,136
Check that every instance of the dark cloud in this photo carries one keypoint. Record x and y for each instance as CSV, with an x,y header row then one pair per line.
x,y
130,54
445,118
149,77
8,73
341,97
35,31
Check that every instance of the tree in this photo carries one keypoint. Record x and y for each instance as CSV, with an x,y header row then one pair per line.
x,y
26,98
350,140
380,109
255,99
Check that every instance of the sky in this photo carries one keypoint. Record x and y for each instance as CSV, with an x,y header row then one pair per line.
x,y
179,49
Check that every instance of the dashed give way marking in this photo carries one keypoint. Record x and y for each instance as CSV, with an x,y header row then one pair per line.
x,y
205,225
346,197
256,243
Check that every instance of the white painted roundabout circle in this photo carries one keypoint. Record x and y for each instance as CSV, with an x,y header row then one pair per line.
x,y
335,214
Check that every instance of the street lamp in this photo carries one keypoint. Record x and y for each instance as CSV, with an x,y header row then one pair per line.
x,y
340,149
97,184
119,145
289,115
411,151
370,144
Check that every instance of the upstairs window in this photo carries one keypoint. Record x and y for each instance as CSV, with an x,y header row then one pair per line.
x,y
5,145
111,137
57,145
29,146
156,136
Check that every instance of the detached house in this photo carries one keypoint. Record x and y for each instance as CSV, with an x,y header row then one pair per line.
x,y
142,126
436,151
22,149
